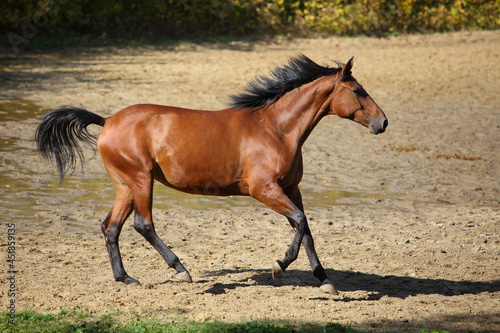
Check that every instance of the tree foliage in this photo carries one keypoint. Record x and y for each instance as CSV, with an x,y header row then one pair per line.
x,y
202,18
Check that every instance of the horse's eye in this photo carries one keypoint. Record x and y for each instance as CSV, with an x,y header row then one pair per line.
x,y
360,92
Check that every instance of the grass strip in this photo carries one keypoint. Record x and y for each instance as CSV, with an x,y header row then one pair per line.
x,y
86,322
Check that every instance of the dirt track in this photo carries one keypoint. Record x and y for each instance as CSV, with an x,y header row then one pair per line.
x,y
407,223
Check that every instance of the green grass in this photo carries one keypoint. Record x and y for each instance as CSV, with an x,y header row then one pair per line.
x,y
442,331
86,322
83,321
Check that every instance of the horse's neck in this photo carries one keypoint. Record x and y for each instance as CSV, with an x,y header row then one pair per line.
x,y
297,113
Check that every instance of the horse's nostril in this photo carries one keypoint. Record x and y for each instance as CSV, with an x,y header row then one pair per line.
x,y
384,125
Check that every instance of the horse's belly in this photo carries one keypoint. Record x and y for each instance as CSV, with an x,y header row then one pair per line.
x,y
200,178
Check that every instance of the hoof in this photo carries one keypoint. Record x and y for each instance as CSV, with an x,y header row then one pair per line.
x,y
277,271
129,281
328,288
183,277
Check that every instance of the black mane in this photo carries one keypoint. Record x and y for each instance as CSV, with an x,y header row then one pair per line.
x,y
266,90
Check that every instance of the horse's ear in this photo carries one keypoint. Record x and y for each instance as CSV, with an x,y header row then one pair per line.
x,y
346,71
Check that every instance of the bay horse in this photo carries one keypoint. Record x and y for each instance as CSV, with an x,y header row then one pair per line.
x,y
252,148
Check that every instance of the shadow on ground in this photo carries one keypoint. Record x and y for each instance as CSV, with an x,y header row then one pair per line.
x,y
379,286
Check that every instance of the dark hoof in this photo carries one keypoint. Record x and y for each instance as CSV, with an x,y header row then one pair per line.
x,y
128,281
329,288
183,277
277,270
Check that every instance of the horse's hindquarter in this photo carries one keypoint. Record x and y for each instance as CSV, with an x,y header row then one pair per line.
x,y
124,142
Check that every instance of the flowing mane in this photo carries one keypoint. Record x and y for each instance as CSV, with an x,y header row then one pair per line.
x,y
266,90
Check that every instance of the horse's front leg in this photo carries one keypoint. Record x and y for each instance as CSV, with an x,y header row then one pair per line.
x,y
299,224
272,195
319,272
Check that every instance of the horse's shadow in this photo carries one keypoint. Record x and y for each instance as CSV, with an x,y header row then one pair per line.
x,y
376,285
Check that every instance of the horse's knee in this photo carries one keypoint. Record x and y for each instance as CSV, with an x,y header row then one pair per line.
x,y
142,226
291,254
110,232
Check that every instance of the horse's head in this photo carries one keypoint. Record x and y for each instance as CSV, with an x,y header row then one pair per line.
x,y
351,101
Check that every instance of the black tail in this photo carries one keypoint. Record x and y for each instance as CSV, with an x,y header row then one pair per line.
x,y
58,134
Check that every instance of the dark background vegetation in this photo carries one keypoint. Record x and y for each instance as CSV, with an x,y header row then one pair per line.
x,y
98,21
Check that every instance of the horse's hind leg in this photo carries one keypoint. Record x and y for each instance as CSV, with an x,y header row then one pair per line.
x,y
112,226
143,223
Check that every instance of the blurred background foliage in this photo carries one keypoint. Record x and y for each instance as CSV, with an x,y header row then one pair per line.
x,y
149,19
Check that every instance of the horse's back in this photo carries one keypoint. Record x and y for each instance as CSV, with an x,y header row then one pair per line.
x,y
143,122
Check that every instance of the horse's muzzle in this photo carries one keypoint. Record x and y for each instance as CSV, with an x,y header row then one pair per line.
x,y
378,126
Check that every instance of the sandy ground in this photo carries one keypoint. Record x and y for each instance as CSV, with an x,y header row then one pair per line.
x,y
406,223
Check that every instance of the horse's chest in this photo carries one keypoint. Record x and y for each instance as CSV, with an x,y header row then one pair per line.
x,y
291,171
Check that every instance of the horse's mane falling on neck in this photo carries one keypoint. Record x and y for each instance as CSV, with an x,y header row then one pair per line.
x,y
266,90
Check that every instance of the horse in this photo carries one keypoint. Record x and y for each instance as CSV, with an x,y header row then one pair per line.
x,y
252,148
